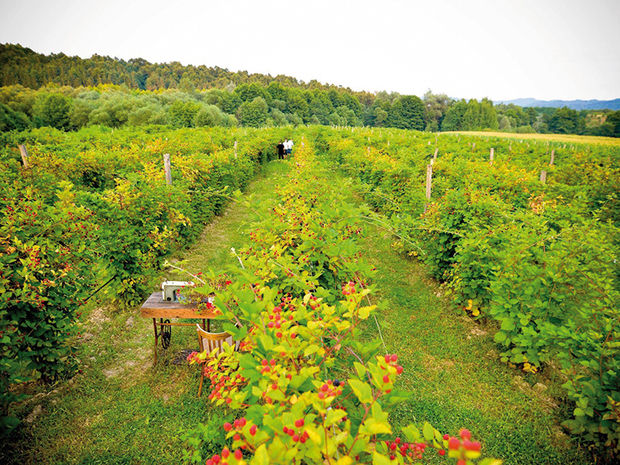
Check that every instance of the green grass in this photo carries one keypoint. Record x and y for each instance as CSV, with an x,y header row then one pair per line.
x,y
137,413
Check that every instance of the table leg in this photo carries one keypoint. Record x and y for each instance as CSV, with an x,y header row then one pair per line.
x,y
208,326
203,324
155,346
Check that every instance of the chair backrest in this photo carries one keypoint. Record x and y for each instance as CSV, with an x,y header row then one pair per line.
x,y
210,341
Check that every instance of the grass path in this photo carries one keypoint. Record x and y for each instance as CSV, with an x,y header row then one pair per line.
x,y
121,410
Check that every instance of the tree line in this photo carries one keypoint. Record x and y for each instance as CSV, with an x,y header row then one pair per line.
x,y
71,92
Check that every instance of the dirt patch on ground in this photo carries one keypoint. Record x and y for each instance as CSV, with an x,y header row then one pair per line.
x,y
433,364
98,317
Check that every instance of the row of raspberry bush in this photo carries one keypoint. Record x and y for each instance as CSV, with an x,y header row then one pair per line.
x,y
303,388
537,258
93,208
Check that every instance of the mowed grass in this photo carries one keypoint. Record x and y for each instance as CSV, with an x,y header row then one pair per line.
x,y
567,138
121,409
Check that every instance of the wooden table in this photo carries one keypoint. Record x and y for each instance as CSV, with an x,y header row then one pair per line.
x,y
155,307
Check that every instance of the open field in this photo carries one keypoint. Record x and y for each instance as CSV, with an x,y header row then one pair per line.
x,y
567,138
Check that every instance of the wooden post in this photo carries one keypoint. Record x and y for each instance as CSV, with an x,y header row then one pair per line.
x,y
235,149
429,178
436,152
388,143
473,146
24,152
491,155
543,176
368,150
167,169
552,157
510,147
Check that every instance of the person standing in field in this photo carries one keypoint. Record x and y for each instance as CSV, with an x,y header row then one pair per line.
x,y
289,147
280,147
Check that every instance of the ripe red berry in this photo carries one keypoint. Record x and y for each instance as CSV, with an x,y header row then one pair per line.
x,y
441,452
238,454
393,357
295,437
465,434
227,426
225,452
253,430
386,379
446,437
399,369
264,363
454,443
299,423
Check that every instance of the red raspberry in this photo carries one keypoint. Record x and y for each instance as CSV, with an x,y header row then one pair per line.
x,y
299,423
454,443
227,426
238,454
253,430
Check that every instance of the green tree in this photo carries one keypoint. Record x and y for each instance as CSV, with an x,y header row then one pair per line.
x,y
435,106
53,110
407,112
564,121
488,115
453,120
183,112
10,119
254,113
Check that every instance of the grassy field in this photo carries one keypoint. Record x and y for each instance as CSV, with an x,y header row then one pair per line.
x,y
122,410
566,138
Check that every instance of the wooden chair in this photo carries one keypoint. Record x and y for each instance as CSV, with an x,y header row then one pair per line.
x,y
209,342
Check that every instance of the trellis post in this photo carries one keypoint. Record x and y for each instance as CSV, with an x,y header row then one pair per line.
x,y
24,152
167,169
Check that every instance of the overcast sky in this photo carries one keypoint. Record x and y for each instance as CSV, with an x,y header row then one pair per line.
x,y
502,49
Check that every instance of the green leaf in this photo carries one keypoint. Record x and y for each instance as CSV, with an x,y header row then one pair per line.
x,y
361,390
360,369
380,459
261,457
428,431
311,349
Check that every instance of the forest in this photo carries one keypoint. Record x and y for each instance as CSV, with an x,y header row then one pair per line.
x,y
70,92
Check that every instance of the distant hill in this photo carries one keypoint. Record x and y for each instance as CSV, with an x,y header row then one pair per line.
x,y
573,104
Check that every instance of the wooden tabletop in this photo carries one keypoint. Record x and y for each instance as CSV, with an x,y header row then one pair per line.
x,y
156,307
